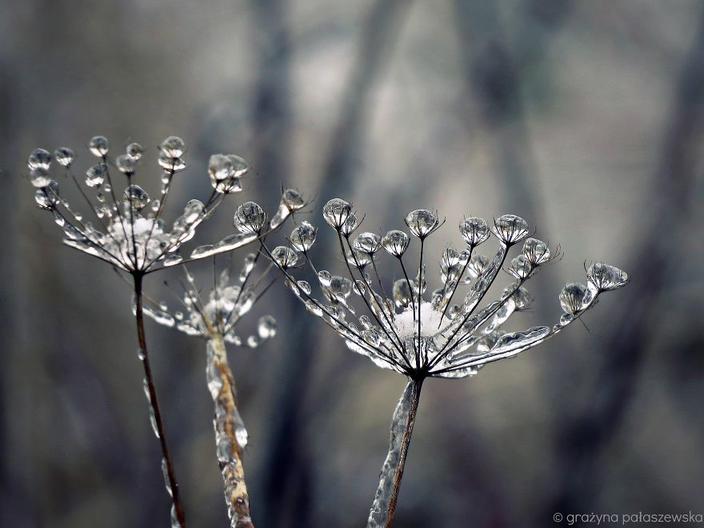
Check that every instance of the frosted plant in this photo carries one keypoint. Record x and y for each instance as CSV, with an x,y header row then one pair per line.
x,y
215,317
424,335
129,233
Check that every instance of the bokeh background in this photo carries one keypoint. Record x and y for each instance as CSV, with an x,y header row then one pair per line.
x,y
585,117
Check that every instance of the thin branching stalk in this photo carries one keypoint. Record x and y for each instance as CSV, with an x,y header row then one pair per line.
x,y
177,512
384,507
230,433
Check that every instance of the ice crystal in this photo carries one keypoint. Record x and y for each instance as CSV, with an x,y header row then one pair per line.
x,y
128,230
423,334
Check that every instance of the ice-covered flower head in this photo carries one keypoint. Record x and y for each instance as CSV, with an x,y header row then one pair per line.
x,y
219,310
125,226
400,326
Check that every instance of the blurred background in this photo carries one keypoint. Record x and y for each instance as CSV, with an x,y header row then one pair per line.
x,y
585,117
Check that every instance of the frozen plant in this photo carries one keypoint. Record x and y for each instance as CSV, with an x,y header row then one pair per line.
x,y
423,336
214,317
126,230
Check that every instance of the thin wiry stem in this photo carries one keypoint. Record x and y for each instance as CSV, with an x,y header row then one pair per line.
x,y
230,433
410,288
456,285
383,508
170,476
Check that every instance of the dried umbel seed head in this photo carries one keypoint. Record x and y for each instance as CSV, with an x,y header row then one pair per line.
x,y
64,156
422,222
293,200
284,257
368,243
250,218
604,277
99,146
336,212
474,230
510,229
303,237
575,298
536,251
395,242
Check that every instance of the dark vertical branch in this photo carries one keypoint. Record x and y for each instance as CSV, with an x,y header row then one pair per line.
x,y
583,435
286,451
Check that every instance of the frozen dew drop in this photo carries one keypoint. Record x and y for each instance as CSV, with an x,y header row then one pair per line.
x,y
396,242
39,159
253,341
521,298
350,225
249,218
474,230
39,178
575,297
173,147
521,267
48,196
605,277
367,242
340,287
292,199
64,156
304,286
134,151
125,164
172,260
136,197
95,175
303,237
266,328
536,251
153,422
422,222
336,212
99,146
510,228
175,523
284,256
516,340
171,164
402,294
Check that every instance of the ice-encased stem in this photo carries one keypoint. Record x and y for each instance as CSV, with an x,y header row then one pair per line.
x,y
230,433
178,515
384,505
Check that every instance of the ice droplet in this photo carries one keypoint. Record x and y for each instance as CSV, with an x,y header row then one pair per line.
x,y
510,228
474,230
39,159
134,151
173,147
266,327
99,146
422,222
96,175
125,164
575,297
284,256
367,242
64,156
249,218
303,237
336,212
136,197
396,242
605,277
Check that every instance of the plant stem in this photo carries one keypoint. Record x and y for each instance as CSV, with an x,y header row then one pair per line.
x,y
230,433
386,497
178,518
